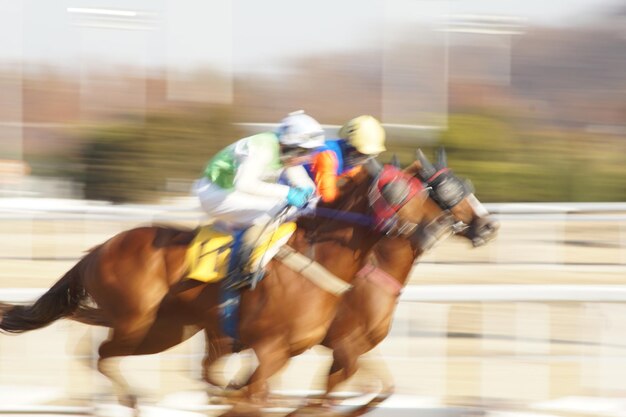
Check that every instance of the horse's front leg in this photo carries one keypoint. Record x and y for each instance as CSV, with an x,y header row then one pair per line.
x,y
272,355
377,367
109,367
345,364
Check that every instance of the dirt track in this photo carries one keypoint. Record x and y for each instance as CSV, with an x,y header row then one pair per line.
x,y
528,352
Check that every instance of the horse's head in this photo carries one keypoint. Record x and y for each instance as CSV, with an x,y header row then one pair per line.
x,y
456,196
373,202
439,209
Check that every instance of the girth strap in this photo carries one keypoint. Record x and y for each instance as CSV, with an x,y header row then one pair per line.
x,y
313,271
381,278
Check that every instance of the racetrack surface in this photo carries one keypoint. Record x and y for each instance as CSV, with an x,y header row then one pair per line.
x,y
521,358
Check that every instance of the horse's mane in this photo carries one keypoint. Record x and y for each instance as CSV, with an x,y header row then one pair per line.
x,y
352,197
351,190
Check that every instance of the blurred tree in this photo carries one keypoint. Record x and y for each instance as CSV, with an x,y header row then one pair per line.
x,y
132,160
508,162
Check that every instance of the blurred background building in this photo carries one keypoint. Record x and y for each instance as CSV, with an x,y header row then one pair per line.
x,y
126,100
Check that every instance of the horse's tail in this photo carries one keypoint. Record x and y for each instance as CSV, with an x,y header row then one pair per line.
x,y
92,316
59,301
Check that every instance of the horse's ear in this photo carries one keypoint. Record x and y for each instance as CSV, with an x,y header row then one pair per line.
x,y
373,167
427,169
395,161
442,158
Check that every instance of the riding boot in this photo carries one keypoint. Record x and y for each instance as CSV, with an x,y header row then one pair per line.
x,y
244,242
243,258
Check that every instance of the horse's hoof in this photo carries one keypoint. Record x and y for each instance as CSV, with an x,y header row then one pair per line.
x,y
234,385
243,410
215,400
313,411
315,402
129,401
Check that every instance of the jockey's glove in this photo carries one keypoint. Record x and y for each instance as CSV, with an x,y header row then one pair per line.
x,y
298,197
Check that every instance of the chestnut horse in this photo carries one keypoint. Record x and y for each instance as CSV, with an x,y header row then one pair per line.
x,y
136,281
365,313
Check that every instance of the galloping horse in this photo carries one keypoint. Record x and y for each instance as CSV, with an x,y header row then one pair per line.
x,y
365,313
136,281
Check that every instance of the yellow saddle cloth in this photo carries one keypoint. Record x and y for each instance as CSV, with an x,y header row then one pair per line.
x,y
209,253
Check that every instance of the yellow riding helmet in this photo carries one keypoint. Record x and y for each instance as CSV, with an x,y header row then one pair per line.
x,y
366,134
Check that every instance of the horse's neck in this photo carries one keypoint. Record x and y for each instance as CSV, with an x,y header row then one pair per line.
x,y
344,253
338,245
396,256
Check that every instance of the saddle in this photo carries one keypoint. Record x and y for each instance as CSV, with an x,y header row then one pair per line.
x,y
209,254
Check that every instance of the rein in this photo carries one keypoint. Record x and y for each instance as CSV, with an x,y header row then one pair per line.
x,y
346,216
382,215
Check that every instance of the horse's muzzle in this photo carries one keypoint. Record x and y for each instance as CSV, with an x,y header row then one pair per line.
x,y
484,231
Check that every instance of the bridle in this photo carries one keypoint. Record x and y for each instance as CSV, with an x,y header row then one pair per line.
x,y
448,191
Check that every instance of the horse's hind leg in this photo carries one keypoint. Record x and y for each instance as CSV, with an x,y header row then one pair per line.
x,y
123,341
109,367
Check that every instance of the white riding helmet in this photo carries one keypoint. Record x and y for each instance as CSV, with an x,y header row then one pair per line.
x,y
301,130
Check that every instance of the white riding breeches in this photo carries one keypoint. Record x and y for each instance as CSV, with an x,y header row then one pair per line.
x,y
237,208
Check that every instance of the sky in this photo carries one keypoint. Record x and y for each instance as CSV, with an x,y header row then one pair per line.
x,y
237,37
550,12
243,34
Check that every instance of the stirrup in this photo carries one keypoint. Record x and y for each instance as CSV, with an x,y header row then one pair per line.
x,y
250,280
238,284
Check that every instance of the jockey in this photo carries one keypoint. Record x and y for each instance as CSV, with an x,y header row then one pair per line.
x,y
240,186
360,140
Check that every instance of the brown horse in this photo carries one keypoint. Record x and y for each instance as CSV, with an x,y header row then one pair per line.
x,y
365,313
136,281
